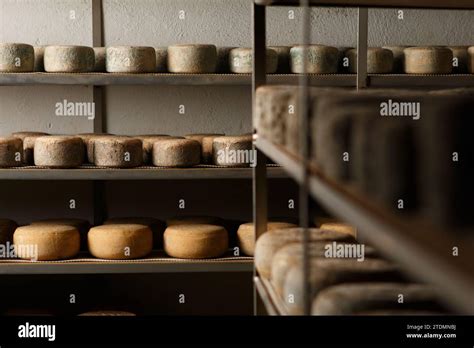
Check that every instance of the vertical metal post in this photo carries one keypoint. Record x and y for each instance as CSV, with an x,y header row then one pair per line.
x,y
362,35
259,183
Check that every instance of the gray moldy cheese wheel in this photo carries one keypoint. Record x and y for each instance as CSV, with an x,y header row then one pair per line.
x,y
223,59
246,234
339,227
99,60
283,53
460,59
59,151
319,59
269,243
379,60
88,139
53,242
192,59
120,241
117,152
161,62
39,58
7,227
326,272
233,151
193,220
16,57
157,226
175,152
198,241
241,61
148,141
206,140
428,60
398,58
81,225
11,152
352,299
69,59
130,59
107,313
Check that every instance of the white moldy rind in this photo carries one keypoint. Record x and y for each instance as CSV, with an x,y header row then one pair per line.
x,y
130,59
319,59
192,59
428,60
11,152
161,54
241,61
233,151
176,153
379,60
117,152
16,57
69,59
99,61
59,151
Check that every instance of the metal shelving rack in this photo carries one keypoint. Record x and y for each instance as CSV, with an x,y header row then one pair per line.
x,y
421,248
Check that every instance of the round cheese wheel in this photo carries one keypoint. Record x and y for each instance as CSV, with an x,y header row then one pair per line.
x,y
269,243
99,54
11,152
398,58
428,60
283,53
107,313
241,61
148,141
81,225
16,57
223,59
326,272
157,226
59,151
7,227
39,58
352,299
120,241
88,138
117,152
246,234
69,59
193,220
161,54
192,59
340,227
28,149
176,153
470,62
319,59
53,242
196,241
379,60
460,59
233,151
205,140
130,59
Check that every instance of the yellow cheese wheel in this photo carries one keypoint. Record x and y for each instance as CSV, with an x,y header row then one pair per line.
x,y
80,224
157,226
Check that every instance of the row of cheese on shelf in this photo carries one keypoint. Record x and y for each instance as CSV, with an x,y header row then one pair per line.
x,y
195,59
198,237
345,276
113,151
411,150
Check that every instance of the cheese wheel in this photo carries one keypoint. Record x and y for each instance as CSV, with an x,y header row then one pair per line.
x,y
428,60
117,152
81,225
241,61
223,53
319,59
39,58
193,220
379,60
59,151
269,243
120,241
283,53
53,242
470,62
352,299
28,149
176,153
88,138
398,58
192,59
328,272
16,57
7,227
340,227
205,140
157,226
148,141
130,59
69,59
246,234
107,313
233,151
161,55
11,152
460,59
198,241
99,61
